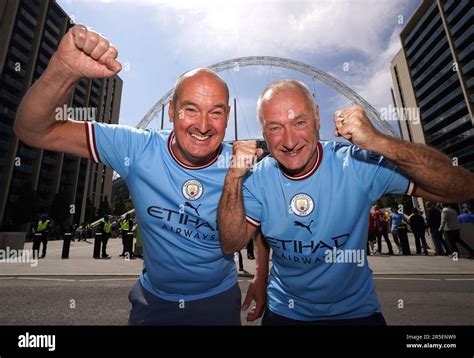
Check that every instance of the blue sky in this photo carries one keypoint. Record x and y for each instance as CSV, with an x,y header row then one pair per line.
x,y
353,40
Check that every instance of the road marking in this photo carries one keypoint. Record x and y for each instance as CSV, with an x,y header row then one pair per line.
x,y
408,278
7,278
459,279
45,279
109,279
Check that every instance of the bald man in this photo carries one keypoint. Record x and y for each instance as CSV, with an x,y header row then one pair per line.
x,y
174,177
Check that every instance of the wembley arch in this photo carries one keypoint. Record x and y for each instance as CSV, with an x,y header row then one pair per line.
x,y
311,71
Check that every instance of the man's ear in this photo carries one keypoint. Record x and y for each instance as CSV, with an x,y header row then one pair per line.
x,y
318,119
228,115
171,111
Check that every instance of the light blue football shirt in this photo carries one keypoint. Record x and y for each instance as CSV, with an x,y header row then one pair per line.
x,y
397,219
176,209
317,228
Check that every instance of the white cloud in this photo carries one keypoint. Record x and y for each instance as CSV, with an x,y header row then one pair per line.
x,y
372,80
278,27
336,30
376,89
363,33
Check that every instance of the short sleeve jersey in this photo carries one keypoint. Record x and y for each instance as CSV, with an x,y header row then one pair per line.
x,y
316,225
176,209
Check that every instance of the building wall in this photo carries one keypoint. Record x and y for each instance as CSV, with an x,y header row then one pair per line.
x,y
438,57
405,99
30,33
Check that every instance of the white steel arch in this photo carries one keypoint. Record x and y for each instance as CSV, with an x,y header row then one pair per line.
x,y
314,72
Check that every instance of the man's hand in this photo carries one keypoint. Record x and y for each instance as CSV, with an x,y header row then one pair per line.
x,y
353,124
81,53
245,154
84,52
257,292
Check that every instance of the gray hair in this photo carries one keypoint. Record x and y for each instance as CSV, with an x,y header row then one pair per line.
x,y
283,85
179,81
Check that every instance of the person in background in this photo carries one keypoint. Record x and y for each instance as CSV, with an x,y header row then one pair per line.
x,y
381,222
418,226
43,229
452,229
433,219
396,219
467,216
106,230
371,235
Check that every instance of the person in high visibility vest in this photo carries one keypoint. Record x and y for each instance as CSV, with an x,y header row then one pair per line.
x,y
138,244
127,226
42,232
106,230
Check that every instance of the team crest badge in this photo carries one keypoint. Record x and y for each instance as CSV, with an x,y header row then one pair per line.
x,y
192,189
302,204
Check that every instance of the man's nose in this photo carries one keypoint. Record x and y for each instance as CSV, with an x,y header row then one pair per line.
x,y
289,140
203,123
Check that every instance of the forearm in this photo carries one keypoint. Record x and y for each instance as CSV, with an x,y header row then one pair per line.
x,y
231,216
262,256
38,110
431,170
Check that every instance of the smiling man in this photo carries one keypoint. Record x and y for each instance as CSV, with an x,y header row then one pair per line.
x,y
296,197
173,177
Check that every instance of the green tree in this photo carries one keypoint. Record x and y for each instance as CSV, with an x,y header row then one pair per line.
x,y
407,204
120,207
26,207
104,208
90,211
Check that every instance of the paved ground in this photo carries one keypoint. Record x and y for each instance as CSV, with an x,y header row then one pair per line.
x,y
413,290
85,300
82,263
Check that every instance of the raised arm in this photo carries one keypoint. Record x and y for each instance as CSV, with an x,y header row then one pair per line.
x,y
234,230
81,53
433,173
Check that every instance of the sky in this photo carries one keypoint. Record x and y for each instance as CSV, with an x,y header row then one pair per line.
x,y
352,40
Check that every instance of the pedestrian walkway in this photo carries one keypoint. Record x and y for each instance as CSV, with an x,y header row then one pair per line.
x,y
81,263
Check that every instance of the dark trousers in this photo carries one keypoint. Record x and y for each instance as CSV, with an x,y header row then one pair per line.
x,y
455,236
128,244
37,241
241,262
105,239
420,241
222,309
124,234
403,237
383,233
250,252
440,245
272,319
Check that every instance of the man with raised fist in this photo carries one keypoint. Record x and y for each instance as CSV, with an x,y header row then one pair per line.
x,y
320,273
173,177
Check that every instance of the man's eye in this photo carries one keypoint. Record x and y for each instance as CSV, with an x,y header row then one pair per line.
x,y
274,129
300,123
217,113
190,110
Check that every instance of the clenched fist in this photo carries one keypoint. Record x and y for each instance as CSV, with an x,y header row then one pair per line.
x,y
353,124
84,52
245,154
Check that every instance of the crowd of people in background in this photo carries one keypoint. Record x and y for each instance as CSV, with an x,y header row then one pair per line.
x,y
109,226
441,222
